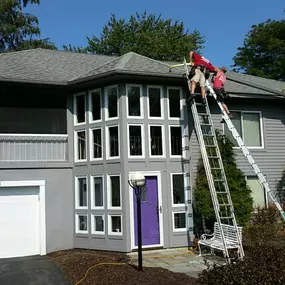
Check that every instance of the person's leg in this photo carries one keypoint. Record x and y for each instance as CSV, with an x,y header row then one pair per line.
x,y
194,80
202,83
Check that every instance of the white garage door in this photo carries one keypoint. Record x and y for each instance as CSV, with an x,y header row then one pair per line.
x,y
19,221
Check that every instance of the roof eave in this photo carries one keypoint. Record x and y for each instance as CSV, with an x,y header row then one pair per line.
x,y
12,80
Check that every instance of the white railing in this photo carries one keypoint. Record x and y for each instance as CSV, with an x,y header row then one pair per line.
x,y
33,147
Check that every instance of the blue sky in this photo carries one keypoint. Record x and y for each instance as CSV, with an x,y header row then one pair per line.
x,y
224,23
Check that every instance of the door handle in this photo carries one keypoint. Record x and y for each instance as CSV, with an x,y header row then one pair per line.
x,y
159,209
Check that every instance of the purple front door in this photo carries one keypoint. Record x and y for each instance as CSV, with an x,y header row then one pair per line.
x,y
150,213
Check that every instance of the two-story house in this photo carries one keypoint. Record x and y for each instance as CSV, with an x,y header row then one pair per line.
x,y
74,127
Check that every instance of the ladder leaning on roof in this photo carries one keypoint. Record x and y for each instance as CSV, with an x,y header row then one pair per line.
x,y
242,146
215,173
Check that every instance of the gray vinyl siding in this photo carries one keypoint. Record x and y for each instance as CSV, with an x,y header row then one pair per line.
x,y
271,159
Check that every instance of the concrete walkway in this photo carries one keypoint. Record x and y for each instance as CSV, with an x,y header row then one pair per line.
x,y
176,260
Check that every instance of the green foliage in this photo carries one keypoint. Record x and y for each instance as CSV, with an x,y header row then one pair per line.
x,y
148,35
280,189
18,28
263,51
262,265
240,192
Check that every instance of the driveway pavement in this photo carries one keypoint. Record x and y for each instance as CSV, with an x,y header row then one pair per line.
x,y
36,270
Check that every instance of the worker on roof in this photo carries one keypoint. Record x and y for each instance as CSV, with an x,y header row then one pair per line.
x,y
218,85
201,66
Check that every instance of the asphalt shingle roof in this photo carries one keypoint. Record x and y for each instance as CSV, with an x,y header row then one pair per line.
x,y
60,67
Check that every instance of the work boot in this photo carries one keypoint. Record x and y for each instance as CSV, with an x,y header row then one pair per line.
x,y
190,98
204,101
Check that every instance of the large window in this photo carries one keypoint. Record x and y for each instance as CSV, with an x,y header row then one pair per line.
x,y
174,103
112,102
156,141
80,145
95,106
81,193
249,127
178,192
114,192
155,109
134,101
257,191
97,194
96,144
79,108
135,141
113,142
175,141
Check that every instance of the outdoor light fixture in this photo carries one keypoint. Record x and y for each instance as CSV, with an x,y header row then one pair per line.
x,y
137,181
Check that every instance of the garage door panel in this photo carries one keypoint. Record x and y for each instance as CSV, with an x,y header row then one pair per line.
x,y
19,222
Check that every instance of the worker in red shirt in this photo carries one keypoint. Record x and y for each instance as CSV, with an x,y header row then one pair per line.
x,y
197,75
218,85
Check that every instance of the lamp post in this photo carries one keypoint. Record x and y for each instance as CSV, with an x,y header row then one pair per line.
x,y
137,181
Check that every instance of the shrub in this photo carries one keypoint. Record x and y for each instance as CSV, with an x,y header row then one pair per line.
x,y
263,265
240,192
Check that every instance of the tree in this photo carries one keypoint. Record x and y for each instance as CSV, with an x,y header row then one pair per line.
x,y
18,29
263,51
280,189
148,35
240,192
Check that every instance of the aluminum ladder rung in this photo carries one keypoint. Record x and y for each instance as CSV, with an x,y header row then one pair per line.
x,y
203,114
210,145
222,192
213,157
219,180
225,205
216,168
208,135
226,218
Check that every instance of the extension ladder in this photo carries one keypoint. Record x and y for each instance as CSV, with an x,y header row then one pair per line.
x,y
214,169
246,152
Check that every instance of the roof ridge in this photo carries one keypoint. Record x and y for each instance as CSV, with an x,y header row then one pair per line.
x,y
86,73
155,60
124,60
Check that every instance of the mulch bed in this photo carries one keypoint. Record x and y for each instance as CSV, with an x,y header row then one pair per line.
x,y
76,262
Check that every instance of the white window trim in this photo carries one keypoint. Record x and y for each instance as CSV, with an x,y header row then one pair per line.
x,y
91,143
171,188
75,122
182,141
107,141
77,223
110,225
173,222
76,158
42,206
161,102
163,141
77,207
142,138
94,232
141,102
109,195
93,192
261,128
265,193
90,104
107,102
181,103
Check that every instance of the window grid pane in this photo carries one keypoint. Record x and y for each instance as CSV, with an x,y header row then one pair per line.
x,y
112,98
80,108
82,223
134,101
115,191
99,223
156,140
179,221
116,224
135,140
96,105
98,192
178,189
113,141
81,145
154,102
82,192
97,143
251,129
176,140
174,103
